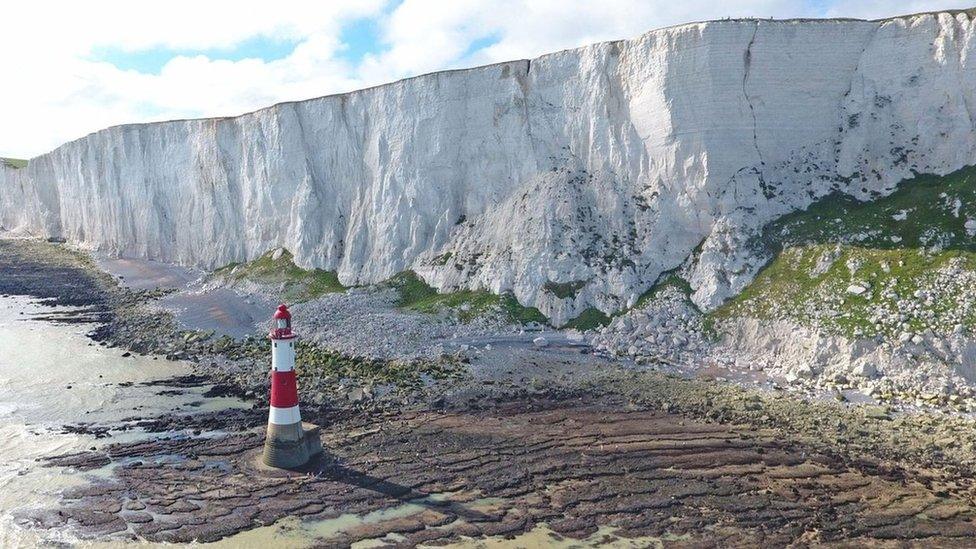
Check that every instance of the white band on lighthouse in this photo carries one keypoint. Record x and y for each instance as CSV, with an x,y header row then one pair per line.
x,y
283,355
285,416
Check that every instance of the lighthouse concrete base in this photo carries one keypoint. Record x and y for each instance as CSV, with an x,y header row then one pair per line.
x,y
291,446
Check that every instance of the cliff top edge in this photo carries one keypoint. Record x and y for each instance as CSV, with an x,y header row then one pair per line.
x,y
969,12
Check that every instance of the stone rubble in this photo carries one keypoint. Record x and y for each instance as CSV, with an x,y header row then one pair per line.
x,y
919,352
668,329
366,322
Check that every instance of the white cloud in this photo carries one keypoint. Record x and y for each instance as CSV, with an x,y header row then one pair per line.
x,y
879,9
423,39
53,89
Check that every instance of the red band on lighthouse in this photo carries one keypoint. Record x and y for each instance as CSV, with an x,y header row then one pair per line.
x,y
284,389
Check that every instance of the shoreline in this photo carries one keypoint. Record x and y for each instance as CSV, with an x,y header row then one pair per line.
x,y
650,455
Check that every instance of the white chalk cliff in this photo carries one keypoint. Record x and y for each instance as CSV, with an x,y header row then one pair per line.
x,y
596,168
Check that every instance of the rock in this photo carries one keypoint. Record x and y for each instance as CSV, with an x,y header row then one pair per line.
x,y
856,289
876,412
970,226
866,370
277,254
804,371
356,394
137,517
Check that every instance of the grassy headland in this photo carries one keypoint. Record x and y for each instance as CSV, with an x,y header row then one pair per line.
x,y
15,163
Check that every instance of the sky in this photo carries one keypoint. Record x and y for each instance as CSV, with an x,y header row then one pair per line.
x,y
70,68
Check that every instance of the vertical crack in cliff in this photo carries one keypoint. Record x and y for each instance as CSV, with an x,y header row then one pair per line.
x,y
523,84
747,61
846,101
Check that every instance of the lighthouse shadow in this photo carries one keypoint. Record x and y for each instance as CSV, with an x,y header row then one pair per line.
x,y
326,469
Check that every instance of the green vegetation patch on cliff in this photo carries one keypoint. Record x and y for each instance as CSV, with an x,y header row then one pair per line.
x,y
902,264
863,292
590,319
564,290
277,267
417,295
670,279
925,212
15,163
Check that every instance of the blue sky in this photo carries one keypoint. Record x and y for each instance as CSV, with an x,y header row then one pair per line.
x,y
118,61
359,37
152,60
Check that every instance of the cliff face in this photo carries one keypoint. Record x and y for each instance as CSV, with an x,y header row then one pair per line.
x,y
573,179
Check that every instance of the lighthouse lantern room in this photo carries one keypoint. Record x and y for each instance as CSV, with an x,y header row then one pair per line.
x,y
282,341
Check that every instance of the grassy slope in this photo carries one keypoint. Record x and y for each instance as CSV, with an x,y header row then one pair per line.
x,y
592,318
589,319
416,295
895,246
298,284
302,285
14,162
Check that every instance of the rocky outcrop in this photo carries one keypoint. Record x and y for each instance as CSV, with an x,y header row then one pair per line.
x,y
590,170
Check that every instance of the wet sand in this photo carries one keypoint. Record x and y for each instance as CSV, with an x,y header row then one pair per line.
x,y
193,305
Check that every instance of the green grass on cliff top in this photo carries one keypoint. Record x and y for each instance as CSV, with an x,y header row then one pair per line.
x,y
898,242
14,162
297,284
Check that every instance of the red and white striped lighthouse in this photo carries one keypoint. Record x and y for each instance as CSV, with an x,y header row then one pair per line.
x,y
289,444
284,386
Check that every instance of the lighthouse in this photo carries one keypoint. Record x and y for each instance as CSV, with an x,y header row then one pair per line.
x,y
290,443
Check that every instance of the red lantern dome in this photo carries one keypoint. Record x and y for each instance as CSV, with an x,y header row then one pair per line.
x,y
282,312
281,324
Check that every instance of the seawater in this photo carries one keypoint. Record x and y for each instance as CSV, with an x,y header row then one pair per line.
x,y
52,375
